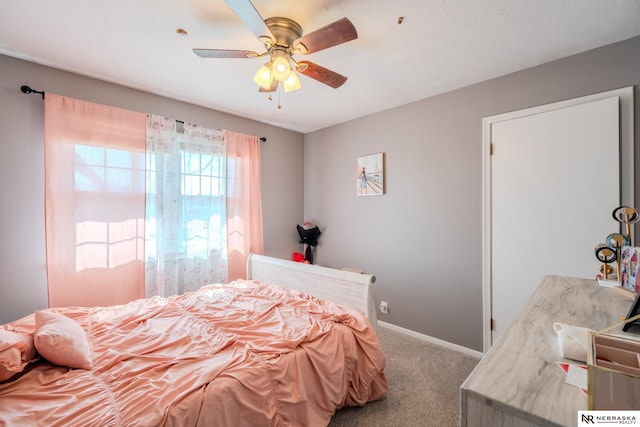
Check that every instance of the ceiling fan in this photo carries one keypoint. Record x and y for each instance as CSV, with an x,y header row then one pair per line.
x,y
283,38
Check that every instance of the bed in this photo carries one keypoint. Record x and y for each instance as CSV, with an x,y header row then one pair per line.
x,y
286,347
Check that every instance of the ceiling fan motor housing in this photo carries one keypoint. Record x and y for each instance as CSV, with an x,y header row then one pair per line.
x,y
285,31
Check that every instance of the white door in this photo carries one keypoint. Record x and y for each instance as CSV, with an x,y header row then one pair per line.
x,y
555,179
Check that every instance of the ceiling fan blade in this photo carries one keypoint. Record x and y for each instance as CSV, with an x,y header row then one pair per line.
x,y
248,14
224,53
273,88
321,74
330,35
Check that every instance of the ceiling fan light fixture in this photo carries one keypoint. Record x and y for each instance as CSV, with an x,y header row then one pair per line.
x,y
263,77
292,82
280,66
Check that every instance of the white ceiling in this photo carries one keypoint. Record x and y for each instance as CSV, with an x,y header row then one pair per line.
x,y
441,45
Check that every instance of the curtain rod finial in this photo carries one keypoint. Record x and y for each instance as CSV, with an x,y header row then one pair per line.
x,y
26,89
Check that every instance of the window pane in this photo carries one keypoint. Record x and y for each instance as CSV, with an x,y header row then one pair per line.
x,y
86,154
190,185
119,180
191,163
105,169
216,186
119,158
205,183
89,178
207,165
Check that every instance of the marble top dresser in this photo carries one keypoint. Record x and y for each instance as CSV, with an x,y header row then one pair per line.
x,y
518,382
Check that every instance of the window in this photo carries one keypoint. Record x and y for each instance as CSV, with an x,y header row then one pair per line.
x,y
203,204
108,239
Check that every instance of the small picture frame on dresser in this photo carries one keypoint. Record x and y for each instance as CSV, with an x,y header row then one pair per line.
x,y
629,268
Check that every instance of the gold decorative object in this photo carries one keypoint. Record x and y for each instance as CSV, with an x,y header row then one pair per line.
x,y
606,270
627,216
606,255
610,251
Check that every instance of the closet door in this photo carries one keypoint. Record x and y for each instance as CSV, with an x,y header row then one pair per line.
x,y
555,179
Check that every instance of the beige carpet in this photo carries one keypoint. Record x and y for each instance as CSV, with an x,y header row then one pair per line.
x,y
424,386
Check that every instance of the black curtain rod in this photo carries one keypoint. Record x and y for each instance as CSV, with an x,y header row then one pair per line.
x,y
27,90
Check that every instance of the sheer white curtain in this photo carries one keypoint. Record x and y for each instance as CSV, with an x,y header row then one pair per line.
x,y
186,232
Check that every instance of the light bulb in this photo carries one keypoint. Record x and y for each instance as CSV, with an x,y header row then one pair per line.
x,y
263,77
292,82
280,67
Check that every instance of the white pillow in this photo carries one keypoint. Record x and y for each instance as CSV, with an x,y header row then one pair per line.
x,y
61,340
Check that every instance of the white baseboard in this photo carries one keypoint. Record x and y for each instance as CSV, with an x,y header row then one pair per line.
x,y
423,337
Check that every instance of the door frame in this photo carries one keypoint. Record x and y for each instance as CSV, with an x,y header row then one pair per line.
x,y
625,96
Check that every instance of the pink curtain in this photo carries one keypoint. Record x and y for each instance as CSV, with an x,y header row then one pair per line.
x,y
94,202
244,202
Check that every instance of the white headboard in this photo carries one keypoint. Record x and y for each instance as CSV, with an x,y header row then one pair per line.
x,y
340,286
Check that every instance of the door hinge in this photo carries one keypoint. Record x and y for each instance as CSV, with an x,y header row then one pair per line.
x,y
492,324
491,149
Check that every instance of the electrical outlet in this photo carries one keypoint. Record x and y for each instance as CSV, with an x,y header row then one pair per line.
x,y
384,307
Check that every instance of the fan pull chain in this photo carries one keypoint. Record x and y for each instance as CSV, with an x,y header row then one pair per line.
x,y
270,97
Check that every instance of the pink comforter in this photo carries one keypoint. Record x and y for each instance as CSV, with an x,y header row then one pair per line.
x,y
243,354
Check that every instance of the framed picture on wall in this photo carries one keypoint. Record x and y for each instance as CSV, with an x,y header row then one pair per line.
x,y
370,175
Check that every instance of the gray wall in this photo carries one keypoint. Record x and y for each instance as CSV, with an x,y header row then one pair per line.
x,y
423,238
22,265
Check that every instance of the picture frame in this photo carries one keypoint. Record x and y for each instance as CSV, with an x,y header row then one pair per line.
x,y
630,268
370,175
